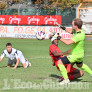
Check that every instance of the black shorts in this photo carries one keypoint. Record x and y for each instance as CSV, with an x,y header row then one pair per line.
x,y
79,62
66,61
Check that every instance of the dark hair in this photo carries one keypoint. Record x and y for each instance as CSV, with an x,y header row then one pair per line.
x,y
78,22
8,44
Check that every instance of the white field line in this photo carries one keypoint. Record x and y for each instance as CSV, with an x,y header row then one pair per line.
x,y
50,57
88,43
40,57
88,55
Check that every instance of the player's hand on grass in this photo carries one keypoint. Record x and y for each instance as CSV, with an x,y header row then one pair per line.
x,y
14,67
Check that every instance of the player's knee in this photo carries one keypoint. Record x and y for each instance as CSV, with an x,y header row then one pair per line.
x,y
24,65
79,65
81,73
9,65
59,62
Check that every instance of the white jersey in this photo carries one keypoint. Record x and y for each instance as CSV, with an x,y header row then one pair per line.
x,y
11,56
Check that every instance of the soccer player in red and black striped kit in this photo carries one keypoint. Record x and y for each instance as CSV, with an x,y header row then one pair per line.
x,y
56,54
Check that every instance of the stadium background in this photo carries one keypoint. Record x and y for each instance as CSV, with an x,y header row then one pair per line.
x,y
80,8
37,51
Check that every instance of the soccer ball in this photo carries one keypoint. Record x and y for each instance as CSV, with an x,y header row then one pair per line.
x,y
40,35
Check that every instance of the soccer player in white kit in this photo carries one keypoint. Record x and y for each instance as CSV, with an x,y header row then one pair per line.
x,y
14,56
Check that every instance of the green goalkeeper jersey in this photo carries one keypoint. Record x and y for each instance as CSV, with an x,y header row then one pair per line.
x,y
78,45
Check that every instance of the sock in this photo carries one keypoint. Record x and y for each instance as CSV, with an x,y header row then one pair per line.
x,y
68,68
86,69
63,71
71,77
27,63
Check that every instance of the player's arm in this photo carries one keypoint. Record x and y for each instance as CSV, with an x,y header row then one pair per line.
x,y
16,64
2,56
67,41
75,39
69,30
55,53
0,59
16,54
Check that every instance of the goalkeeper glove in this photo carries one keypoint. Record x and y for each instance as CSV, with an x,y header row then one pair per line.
x,y
56,35
59,37
50,37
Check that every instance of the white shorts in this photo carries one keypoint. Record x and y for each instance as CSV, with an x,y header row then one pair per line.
x,y
20,56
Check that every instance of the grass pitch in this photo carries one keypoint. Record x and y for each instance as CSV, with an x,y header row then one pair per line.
x,y
41,76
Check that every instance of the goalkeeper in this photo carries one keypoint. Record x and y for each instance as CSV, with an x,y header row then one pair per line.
x,y
77,52
56,54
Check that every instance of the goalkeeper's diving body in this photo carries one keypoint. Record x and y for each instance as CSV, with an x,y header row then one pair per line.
x,y
56,54
14,56
77,51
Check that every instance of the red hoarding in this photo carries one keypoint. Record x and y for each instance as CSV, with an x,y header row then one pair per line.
x,y
30,20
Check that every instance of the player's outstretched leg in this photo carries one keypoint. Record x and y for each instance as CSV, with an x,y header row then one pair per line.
x,y
63,72
85,68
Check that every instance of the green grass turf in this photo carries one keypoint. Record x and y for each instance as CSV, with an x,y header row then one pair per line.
x,y
37,52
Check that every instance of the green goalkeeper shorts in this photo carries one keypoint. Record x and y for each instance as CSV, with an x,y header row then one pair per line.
x,y
75,58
